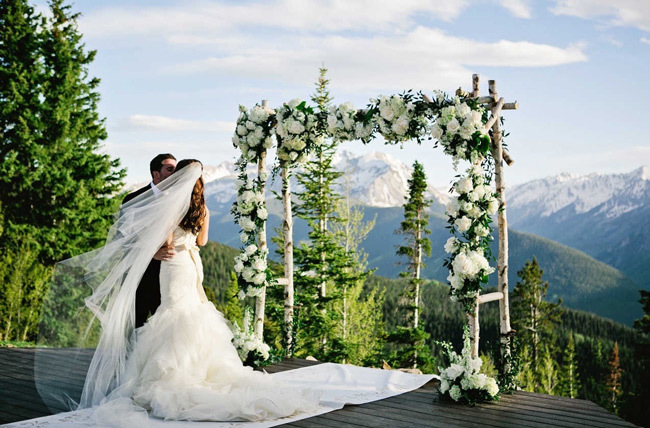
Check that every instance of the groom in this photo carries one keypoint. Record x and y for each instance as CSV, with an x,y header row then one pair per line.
x,y
147,296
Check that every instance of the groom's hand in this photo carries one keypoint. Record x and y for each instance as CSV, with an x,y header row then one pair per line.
x,y
165,253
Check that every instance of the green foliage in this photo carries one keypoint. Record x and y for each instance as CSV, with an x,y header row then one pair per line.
x,y
416,246
325,270
58,190
532,317
569,377
23,282
52,174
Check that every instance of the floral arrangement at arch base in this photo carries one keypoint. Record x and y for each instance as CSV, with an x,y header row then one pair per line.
x,y
462,380
251,349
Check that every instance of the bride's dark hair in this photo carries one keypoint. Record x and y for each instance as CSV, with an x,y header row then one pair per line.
x,y
193,220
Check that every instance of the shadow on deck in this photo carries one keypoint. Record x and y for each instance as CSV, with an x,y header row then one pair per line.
x,y
19,400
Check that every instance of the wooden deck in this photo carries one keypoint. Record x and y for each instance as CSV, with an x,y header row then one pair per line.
x,y
19,400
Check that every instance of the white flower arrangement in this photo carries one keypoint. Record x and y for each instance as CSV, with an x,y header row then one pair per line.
x,y
250,347
345,123
251,214
399,118
297,131
460,128
462,380
469,218
253,134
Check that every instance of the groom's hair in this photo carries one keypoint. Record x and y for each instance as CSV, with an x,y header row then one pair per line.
x,y
156,163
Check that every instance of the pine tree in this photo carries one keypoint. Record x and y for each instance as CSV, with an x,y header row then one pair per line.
x,y
569,379
417,245
58,191
533,318
362,323
324,269
613,380
639,411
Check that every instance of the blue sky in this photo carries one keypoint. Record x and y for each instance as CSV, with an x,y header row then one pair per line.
x,y
173,73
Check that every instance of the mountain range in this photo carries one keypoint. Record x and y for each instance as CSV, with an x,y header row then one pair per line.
x,y
590,233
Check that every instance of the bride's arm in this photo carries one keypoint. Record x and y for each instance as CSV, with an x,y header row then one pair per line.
x,y
202,239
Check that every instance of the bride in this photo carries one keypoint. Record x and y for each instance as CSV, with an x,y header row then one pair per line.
x,y
181,364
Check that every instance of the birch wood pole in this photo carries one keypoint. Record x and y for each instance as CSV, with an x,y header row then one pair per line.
x,y
287,229
472,318
260,301
502,263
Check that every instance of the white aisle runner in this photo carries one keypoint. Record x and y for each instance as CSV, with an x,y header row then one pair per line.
x,y
340,385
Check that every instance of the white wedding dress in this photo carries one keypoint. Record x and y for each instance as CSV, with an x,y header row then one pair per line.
x,y
183,365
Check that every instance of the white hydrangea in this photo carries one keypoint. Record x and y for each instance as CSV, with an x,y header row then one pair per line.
x,y
491,386
455,393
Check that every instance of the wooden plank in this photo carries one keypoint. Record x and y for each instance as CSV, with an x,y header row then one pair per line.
x,y
419,414
495,417
534,415
19,400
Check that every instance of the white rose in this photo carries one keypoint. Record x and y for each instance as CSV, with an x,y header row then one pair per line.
x,y
250,125
331,122
450,245
293,156
455,393
296,127
247,224
436,131
444,386
262,213
241,295
493,206
241,130
250,250
464,185
259,264
463,224
464,110
481,230
453,371
259,278
248,274
239,266
452,208
453,126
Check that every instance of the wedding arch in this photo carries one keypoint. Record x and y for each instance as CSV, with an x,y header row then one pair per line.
x,y
467,127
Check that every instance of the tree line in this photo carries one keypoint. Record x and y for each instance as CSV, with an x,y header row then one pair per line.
x,y
58,190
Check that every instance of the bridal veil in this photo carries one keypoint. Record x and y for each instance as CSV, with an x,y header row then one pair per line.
x,y
91,299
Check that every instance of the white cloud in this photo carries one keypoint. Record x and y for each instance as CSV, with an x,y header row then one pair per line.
x,y
141,122
645,40
423,58
621,13
519,8
208,19
611,40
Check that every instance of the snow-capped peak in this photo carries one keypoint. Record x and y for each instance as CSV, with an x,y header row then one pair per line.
x,y
614,193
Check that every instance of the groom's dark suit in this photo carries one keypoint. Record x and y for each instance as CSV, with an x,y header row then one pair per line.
x,y
147,296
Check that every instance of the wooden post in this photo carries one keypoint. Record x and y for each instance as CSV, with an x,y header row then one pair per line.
x,y
474,328
476,79
287,229
502,263
260,301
